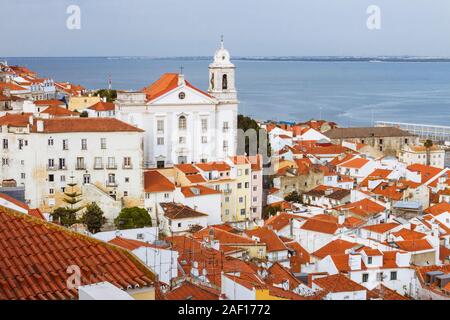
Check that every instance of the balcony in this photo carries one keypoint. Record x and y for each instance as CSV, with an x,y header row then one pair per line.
x,y
111,166
52,168
98,166
111,184
227,191
62,167
127,166
80,167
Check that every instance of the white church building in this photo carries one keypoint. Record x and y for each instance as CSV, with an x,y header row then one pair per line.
x,y
184,124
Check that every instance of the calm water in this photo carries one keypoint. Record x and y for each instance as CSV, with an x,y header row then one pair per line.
x,y
350,93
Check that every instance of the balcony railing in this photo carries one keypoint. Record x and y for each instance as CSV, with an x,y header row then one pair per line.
x,y
52,168
111,184
111,166
127,166
80,167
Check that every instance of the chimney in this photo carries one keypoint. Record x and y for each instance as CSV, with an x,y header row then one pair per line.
x,y
40,126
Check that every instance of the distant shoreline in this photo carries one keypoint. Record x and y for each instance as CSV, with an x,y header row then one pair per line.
x,y
374,59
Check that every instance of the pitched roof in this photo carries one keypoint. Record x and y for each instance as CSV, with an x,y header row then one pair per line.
x,y
213,166
130,244
180,211
381,228
166,83
196,178
439,208
63,125
197,191
426,172
154,181
366,132
224,237
49,103
337,246
269,237
103,106
385,293
187,168
414,245
58,111
321,226
338,283
15,120
363,208
31,270
14,201
356,163
190,291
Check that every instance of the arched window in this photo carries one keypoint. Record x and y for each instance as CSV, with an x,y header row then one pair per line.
x,y
182,123
224,82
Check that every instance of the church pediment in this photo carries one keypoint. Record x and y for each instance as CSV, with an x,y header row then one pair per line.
x,y
182,95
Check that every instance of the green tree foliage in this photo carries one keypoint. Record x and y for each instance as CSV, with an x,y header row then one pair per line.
x,y
93,218
64,216
84,114
246,123
130,218
110,95
294,196
72,197
269,211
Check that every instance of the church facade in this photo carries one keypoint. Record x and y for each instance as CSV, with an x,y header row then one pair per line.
x,y
182,123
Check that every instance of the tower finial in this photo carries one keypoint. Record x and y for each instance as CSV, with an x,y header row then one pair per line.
x,y
221,41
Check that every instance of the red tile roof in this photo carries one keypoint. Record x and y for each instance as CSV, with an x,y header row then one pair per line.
x,y
224,237
58,111
321,226
414,245
15,120
381,228
363,208
190,291
269,237
14,201
356,163
337,246
49,103
195,178
187,168
213,166
156,182
36,213
438,208
197,191
35,256
426,172
130,244
63,125
103,106
338,283
179,211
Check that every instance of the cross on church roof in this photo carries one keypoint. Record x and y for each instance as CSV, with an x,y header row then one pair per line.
x,y
181,69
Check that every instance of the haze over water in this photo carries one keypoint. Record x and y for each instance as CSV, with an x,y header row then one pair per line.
x,y
352,93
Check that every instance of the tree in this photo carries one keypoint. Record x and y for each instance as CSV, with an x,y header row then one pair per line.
x,y
270,211
64,216
73,197
130,218
110,95
428,145
294,196
84,114
93,218
247,123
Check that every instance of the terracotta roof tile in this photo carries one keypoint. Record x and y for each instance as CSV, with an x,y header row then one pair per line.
x,y
381,228
197,191
338,283
63,125
154,181
179,211
40,273
58,111
103,106
337,246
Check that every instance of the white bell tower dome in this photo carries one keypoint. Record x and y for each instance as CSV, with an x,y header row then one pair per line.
x,y
222,76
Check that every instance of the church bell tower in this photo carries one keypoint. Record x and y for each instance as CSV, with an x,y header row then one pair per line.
x,y
222,76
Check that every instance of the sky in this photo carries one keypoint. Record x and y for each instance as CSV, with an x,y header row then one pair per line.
x,y
168,28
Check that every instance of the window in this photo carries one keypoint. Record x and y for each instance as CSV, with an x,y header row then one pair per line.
x,y
381,148
182,123
103,143
227,211
227,199
50,141
369,260
127,162
179,224
255,177
125,193
51,177
241,199
224,82
365,277
83,144
111,178
98,163
62,164
225,145
62,178
5,161
379,276
5,143
22,175
239,172
393,275
239,185
242,212
255,188
247,172
51,191
406,141
247,185
182,159
51,163
160,164
80,163
182,140
160,141
204,139
160,126
112,163
204,125
381,141
225,126
65,144
127,179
